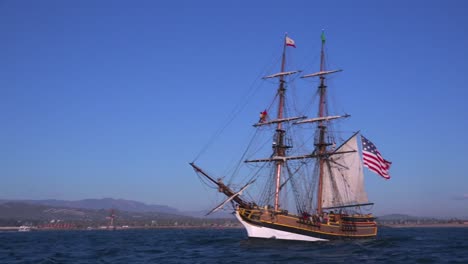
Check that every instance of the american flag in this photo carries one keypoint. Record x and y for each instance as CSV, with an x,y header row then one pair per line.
x,y
373,160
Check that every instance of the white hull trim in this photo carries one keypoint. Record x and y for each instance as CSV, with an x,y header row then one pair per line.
x,y
265,232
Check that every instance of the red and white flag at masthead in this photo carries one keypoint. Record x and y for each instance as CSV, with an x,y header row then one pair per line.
x,y
373,160
290,42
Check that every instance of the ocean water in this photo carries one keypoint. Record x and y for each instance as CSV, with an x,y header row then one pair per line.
x,y
393,245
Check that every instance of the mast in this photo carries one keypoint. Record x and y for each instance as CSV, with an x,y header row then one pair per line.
x,y
278,145
321,144
279,141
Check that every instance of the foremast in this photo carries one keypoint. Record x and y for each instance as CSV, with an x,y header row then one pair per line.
x,y
279,143
280,147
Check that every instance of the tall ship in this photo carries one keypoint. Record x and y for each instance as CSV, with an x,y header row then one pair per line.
x,y
302,181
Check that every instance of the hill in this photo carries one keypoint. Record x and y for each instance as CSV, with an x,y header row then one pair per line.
x,y
122,205
18,213
104,203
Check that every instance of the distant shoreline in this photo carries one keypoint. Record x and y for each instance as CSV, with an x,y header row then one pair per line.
x,y
424,225
9,229
34,228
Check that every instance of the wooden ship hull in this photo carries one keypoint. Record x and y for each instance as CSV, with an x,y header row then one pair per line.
x,y
270,224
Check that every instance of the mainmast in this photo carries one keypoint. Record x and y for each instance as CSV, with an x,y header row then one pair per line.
x,y
321,144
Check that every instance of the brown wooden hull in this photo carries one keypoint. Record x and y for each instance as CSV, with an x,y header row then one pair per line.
x,y
334,226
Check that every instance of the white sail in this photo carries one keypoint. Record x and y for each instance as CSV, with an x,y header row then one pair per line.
x,y
318,119
343,178
320,73
279,74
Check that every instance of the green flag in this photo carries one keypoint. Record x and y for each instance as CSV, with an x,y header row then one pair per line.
x,y
323,36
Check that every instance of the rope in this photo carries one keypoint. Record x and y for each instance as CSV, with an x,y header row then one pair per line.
x,y
245,99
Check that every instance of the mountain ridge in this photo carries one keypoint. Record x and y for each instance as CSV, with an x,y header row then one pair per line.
x,y
103,203
119,204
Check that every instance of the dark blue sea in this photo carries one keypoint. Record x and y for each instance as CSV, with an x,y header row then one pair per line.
x,y
393,245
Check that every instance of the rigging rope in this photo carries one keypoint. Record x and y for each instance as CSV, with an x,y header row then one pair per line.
x,y
242,158
245,99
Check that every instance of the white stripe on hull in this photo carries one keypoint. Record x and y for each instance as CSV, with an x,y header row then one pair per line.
x,y
265,232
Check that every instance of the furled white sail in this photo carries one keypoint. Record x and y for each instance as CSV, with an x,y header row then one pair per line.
x,y
343,178
279,74
320,73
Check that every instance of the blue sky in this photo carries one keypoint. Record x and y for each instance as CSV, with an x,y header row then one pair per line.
x,y
114,98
